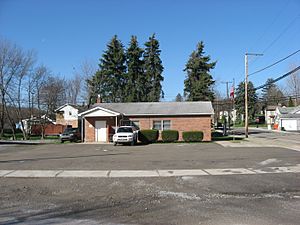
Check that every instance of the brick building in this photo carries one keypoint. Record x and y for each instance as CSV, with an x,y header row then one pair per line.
x,y
100,121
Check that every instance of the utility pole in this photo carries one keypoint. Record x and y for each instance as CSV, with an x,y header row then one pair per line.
x,y
246,90
228,110
227,89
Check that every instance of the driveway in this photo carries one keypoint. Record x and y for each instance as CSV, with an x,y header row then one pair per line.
x,y
268,194
261,137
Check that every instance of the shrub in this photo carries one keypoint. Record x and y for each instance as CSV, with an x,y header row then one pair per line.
x,y
148,136
216,134
169,135
192,136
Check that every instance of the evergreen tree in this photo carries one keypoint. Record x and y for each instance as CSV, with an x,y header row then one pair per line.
x,y
179,98
271,95
240,100
111,73
198,83
153,70
135,91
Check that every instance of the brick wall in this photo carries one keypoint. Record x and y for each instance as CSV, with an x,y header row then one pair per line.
x,y
180,123
50,129
89,127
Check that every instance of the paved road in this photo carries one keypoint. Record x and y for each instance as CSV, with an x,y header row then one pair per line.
x,y
265,193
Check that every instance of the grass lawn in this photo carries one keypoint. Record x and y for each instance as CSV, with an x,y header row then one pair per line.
x,y
19,136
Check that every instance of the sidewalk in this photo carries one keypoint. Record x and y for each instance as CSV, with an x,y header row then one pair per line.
x,y
262,142
275,131
145,173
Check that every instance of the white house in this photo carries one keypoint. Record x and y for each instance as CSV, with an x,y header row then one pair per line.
x,y
288,118
270,116
67,114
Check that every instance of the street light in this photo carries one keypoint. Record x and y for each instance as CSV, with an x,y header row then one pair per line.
x,y
246,90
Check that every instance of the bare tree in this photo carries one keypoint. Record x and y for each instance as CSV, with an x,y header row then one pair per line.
x,y
14,66
77,88
73,88
51,95
293,85
87,70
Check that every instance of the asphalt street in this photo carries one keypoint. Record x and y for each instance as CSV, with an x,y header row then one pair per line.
x,y
223,185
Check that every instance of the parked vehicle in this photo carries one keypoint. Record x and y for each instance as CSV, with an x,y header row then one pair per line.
x,y
70,134
126,134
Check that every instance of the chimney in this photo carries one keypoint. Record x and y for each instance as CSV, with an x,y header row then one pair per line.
x,y
99,100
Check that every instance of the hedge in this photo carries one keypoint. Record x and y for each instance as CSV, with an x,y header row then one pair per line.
x,y
216,134
148,136
169,135
192,136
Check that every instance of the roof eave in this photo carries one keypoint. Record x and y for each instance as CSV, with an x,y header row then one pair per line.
x,y
176,114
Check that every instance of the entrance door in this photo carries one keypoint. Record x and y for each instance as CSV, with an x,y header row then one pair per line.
x,y
100,131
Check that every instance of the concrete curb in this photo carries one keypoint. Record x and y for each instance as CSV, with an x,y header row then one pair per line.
x,y
24,142
145,173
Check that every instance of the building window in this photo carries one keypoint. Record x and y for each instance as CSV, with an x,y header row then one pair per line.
x,y
161,124
157,124
70,113
166,124
136,124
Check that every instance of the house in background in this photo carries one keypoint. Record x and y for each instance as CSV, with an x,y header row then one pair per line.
x,y
100,121
68,114
288,118
28,124
270,115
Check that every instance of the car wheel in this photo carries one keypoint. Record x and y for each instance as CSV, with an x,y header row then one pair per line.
x,y
61,141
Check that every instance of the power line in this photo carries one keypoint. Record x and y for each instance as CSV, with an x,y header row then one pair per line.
x,y
278,15
279,78
279,36
273,64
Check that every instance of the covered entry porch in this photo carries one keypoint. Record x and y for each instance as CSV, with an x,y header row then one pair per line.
x,y
99,124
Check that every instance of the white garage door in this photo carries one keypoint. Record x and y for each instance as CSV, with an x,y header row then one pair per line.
x,y
100,131
289,124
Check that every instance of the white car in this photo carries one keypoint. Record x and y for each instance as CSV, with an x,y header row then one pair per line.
x,y
125,134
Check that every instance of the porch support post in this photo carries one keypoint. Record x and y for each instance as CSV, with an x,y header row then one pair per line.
x,y
116,124
82,129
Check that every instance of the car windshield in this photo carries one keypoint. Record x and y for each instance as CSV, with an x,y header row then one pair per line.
x,y
125,130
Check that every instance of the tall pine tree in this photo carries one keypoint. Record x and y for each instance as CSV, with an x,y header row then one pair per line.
x,y
135,90
111,72
153,70
271,95
240,100
198,83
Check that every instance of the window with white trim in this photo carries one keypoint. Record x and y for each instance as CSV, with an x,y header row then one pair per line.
x,y
156,124
166,124
136,124
161,124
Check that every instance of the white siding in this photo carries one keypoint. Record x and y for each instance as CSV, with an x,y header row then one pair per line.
x,y
289,124
70,113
